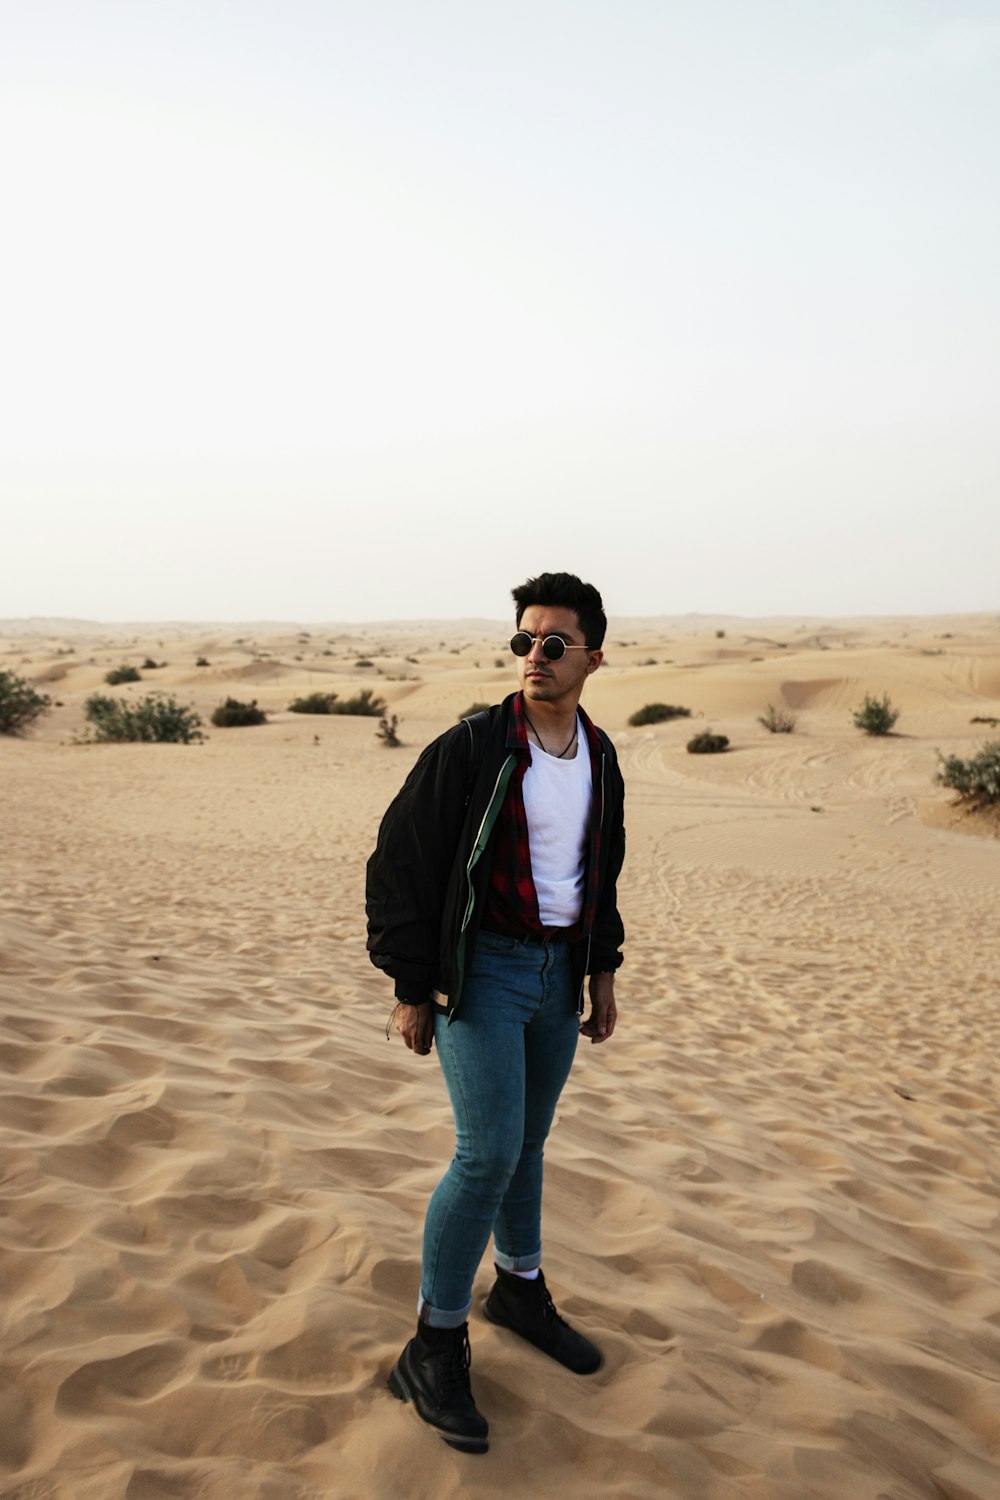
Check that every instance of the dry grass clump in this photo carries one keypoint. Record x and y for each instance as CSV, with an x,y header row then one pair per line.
x,y
778,720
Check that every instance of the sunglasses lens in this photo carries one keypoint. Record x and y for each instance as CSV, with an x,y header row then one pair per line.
x,y
553,647
520,643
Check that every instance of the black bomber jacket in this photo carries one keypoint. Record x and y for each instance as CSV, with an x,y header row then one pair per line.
x,y
427,879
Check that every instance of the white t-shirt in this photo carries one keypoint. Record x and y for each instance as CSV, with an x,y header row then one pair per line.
x,y
557,805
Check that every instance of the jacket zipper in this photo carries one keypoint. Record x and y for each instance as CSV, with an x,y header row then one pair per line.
x,y
481,839
479,843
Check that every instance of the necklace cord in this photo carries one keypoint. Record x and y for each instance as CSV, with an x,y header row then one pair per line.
x,y
576,730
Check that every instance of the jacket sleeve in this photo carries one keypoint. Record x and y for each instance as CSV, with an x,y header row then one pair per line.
x,y
408,873
609,931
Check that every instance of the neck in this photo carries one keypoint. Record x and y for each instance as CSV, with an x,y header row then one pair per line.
x,y
554,722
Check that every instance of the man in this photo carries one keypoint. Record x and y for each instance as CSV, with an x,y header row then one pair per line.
x,y
491,899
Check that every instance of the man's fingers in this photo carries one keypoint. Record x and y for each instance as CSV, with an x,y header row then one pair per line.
x,y
416,1028
600,1024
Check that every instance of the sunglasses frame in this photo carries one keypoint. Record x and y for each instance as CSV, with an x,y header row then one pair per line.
x,y
531,639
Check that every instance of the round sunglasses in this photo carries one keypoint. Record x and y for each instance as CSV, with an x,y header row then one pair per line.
x,y
553,646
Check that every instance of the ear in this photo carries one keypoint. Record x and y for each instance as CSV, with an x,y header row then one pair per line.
x,y
594,659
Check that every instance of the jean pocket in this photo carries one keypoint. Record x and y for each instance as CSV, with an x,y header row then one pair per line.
x,y
496,942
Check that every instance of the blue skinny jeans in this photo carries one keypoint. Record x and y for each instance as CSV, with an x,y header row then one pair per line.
x,y
505,1058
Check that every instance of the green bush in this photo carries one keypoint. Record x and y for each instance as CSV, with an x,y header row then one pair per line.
x,y
473,708
122,674
364,704
149,665
363,661
658,713
876,715
152,719
707,743
313,703
19,703
777,720
977,781
232,713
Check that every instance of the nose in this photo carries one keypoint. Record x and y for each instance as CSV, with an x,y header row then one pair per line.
x,y
536,655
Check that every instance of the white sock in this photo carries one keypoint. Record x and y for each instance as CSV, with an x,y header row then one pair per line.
x,y
527,1275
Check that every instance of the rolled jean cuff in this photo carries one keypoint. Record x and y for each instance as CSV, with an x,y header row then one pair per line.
x,y
438,1317
518,1262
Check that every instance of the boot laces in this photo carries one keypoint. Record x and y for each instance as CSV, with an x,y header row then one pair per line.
x,y
549,1310
456,1362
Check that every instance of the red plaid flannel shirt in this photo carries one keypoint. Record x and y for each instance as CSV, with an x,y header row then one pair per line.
x,y
512,901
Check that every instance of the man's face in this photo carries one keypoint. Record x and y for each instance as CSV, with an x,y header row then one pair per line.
x,y
544,681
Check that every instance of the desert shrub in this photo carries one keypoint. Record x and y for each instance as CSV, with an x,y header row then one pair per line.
x,y
150,719
363,661
386,732
658,713
20,705
313,703
149,665
977,781
473,708
707,743
232,713
364,704
777,720
203,661
122,674
876,715
976,718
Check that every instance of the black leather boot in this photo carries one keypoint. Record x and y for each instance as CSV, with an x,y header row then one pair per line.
x,y
526,1307
433,1373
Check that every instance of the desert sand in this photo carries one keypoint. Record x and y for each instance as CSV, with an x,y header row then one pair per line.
x,y
773,1198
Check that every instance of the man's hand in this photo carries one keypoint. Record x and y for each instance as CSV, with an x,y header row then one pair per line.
x,y
600,1024
415,1024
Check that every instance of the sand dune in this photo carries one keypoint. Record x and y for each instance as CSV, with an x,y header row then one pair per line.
x,y
774,1199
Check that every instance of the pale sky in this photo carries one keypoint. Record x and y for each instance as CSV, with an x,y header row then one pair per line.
x,y
315,311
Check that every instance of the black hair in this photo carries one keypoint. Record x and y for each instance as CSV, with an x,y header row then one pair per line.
x,y
567,592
